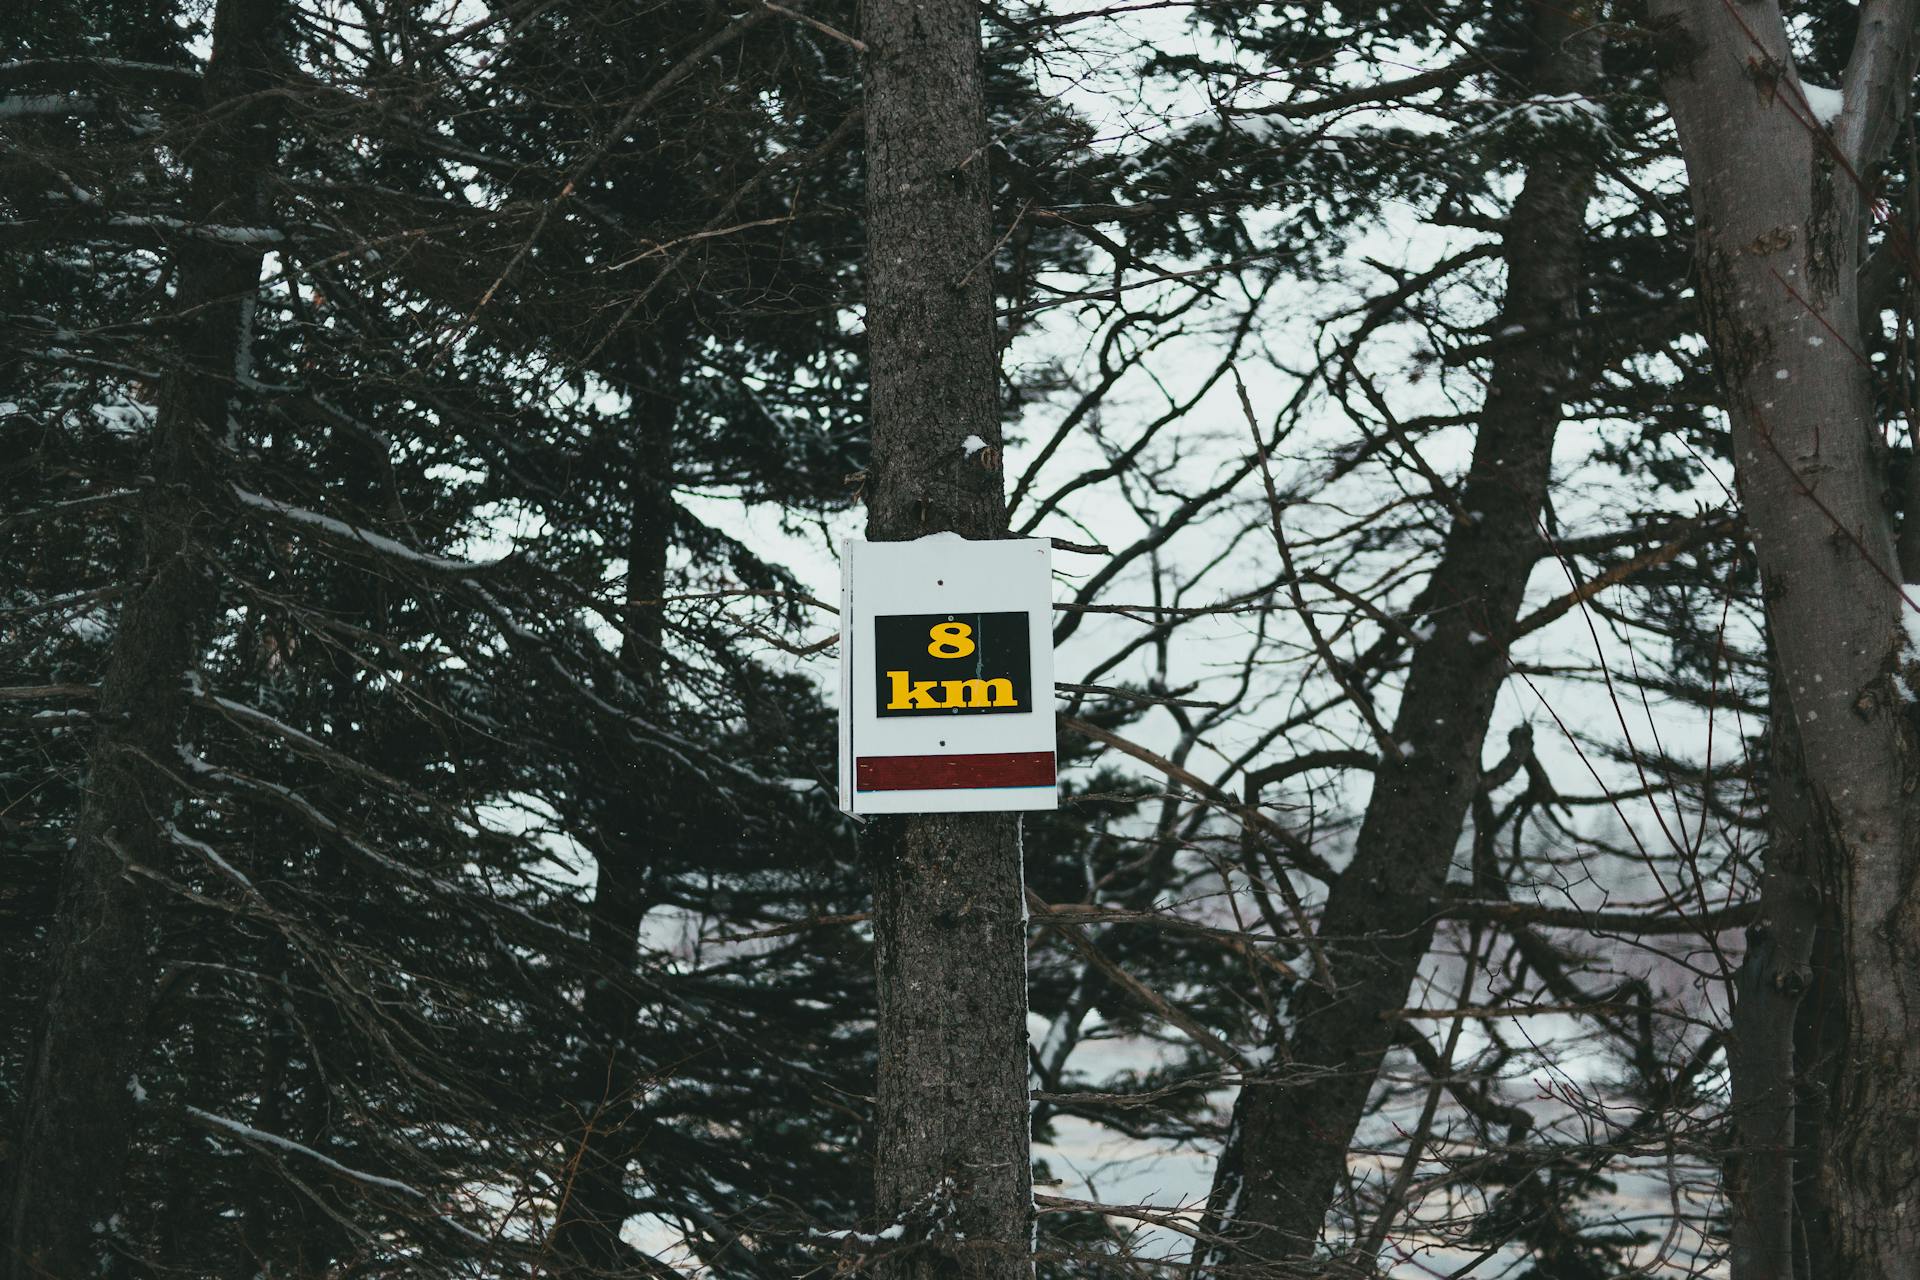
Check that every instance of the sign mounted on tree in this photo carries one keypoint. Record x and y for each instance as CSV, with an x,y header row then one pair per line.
x,y
946,676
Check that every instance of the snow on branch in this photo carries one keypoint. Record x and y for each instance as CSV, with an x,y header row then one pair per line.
x,y
301,807
671,744
207,851
376,542
23,105
254,718
36,692
200,230
247,1133
112,70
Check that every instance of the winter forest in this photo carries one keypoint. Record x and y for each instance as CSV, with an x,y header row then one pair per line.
x,y
1476,440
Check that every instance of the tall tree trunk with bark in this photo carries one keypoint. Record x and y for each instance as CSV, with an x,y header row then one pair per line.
x,y
1769,986
597,1205
1819,1048
78,1114
1780,199
1291,1131
952,1144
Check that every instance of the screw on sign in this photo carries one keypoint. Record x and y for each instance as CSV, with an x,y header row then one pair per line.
x,y
946,683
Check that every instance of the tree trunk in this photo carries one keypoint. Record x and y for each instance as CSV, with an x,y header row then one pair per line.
x,y
1289,1138
1819,1048
1769,986
77,1119
1779,214
597,1206
951,1151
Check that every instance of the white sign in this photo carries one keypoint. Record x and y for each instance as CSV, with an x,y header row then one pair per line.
x,y
946,676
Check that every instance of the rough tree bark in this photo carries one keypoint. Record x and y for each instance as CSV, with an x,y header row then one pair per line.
x,y
1769,986
77,1117
951,1150
1291,1131
1819,1049
1780,201
614,1075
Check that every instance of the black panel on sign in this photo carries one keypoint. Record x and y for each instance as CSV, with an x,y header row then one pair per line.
x,y
945,664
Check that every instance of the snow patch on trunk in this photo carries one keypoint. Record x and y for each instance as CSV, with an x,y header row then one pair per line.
x,y
1825,104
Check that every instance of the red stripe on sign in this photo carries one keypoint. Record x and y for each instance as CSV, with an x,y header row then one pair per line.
x,y
947,773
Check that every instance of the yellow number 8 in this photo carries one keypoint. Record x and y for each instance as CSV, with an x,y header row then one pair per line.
x,y
951,640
